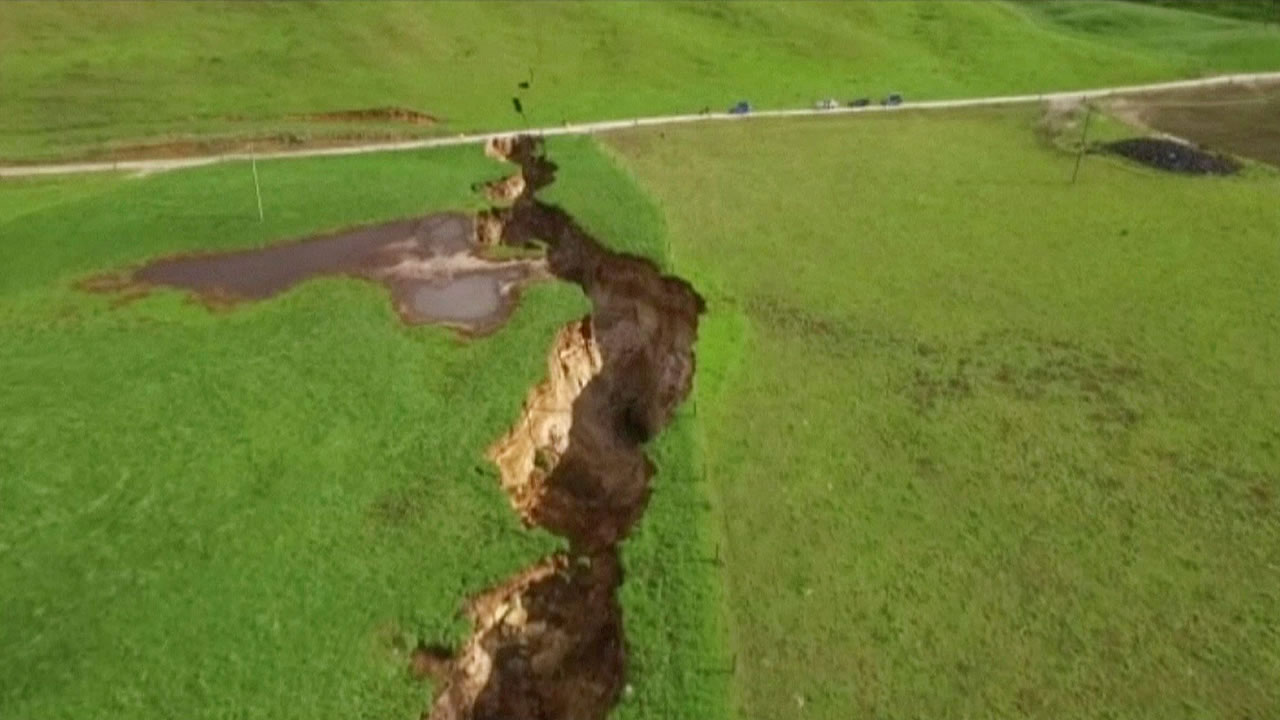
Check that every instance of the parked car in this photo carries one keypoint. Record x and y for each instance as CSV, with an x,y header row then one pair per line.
x,y
892,99
741,108
860,102
828,104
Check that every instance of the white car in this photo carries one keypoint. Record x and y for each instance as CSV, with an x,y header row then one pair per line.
x,y
828,104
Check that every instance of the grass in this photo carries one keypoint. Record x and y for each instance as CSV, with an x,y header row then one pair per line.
x,y
1184,38
981,443
254,513
1259,11
83,77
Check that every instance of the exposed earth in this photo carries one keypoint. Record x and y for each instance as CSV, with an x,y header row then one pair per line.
x,y
1241,118
549,642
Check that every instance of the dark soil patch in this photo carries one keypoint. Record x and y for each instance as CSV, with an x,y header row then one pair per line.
x,y
427,264
1173,156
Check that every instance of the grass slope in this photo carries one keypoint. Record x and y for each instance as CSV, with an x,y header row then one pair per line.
x,y
249,513
81,75
983,443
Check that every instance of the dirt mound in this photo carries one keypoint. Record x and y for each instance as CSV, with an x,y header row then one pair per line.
x,y
547,645
1173,156
505,190
371,115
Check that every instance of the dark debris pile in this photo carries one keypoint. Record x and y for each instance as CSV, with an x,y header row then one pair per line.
x,y
1173,156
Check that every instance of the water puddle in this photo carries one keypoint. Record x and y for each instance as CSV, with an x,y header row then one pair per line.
x,y
430,265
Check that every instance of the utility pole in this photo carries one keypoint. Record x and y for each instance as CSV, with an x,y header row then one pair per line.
x,y
257,189
1084,141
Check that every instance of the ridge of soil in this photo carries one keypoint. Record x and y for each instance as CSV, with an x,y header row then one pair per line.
x,y
504,191
382,119
380,114
549,644
228,144
527,453
1173,156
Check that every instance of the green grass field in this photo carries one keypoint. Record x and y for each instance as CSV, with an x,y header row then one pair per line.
x,y
84,77
982,443
254,513
966,441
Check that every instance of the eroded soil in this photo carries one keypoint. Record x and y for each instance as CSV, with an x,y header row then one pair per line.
x,y
429,264
549,642
528,452
1242,119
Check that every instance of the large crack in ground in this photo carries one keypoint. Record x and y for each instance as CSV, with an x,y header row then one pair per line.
x,y
548,643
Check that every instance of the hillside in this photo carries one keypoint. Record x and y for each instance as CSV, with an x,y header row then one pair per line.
x,y
83,78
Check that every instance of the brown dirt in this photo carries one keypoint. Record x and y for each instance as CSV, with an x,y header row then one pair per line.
x,y
488,228
427,263
1242,119
548,644
1173,156
505,190
528,452
373,115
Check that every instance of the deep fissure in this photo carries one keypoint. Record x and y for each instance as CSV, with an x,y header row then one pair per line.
x,y
549,643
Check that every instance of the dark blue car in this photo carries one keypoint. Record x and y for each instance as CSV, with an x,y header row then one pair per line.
x,y
741,108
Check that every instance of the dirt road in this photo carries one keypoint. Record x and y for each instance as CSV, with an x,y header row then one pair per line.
x,y
150,166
